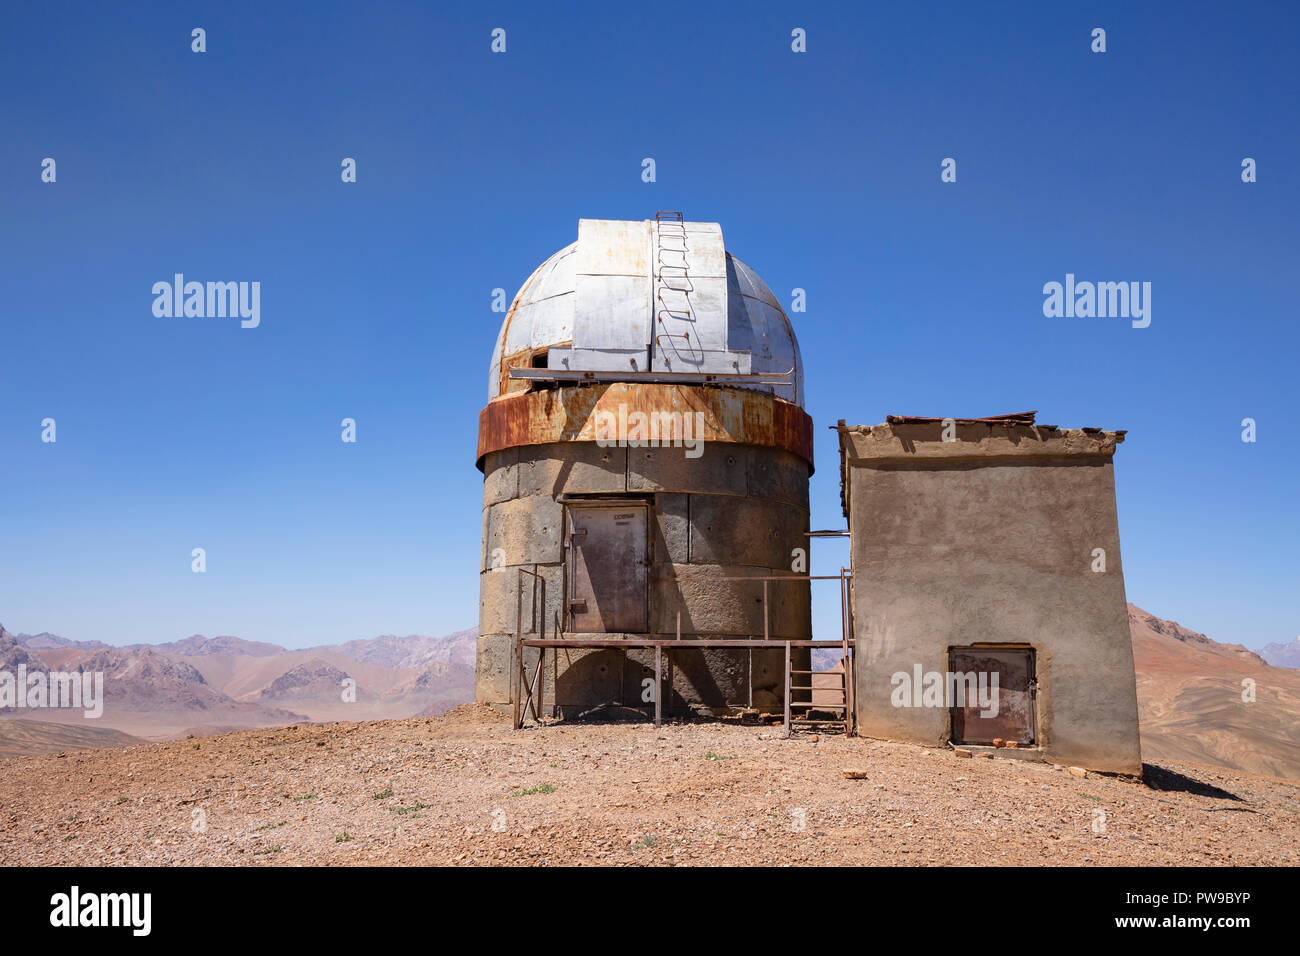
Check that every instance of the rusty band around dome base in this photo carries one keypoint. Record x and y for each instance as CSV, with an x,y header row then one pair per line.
x,y
735,415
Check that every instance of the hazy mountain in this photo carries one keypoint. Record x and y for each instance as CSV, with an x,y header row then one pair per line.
x,y
13,654
207,685
46,641
311,680
196,645
414,651
1282,655
147,682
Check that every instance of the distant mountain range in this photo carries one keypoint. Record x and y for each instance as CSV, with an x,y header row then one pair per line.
x,y
196,645
215,684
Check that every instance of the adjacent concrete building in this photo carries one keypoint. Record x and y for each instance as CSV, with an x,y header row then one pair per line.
x,y
990,549
644,439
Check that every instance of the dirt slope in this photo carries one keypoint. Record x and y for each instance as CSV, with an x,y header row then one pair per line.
x,y
1191,708
21,737
465,788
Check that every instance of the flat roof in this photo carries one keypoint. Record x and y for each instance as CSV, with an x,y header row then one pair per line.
x,y
908,438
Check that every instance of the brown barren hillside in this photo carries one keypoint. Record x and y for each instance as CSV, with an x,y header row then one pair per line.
x,y
466,789
1191,707
20,737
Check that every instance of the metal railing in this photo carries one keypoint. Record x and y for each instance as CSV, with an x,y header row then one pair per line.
x,y
533,699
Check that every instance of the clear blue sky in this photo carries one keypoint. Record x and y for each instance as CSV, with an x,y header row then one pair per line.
x,y
923,298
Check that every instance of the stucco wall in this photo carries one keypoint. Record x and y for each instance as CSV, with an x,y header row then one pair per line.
x,y
990,538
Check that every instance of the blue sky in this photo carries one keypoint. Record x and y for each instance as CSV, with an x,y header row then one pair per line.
x,y
923,297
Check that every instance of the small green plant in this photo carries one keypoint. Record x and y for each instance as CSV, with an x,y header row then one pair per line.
x,y
305,796
541,788
273,826
1089,796
712,756
403,811
647,841
342,838
382,794
119,801
269,850
195,746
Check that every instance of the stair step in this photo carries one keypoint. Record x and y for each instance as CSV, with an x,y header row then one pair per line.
x,y
821,706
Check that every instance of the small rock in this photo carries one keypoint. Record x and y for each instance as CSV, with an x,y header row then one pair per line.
x,y
1078,772
999,742
854,774
961,753
986,754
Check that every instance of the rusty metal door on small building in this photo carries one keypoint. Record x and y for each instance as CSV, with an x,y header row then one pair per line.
x,y
982,709
607,566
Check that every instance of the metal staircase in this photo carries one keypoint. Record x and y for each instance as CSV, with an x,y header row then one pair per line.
x,y
833,706
834,702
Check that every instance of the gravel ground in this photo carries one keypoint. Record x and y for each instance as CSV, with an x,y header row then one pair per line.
x,y
464,789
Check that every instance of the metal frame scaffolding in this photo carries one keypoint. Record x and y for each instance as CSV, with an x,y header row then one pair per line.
x,y
527,694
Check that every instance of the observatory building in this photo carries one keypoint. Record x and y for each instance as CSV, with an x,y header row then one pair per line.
x,y
646,459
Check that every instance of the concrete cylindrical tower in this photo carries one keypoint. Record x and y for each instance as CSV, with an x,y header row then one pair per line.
x,y
644,439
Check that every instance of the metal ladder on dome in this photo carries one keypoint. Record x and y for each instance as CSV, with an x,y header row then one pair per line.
x,y
675,280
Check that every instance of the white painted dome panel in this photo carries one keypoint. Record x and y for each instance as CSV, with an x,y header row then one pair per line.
x,y
660,296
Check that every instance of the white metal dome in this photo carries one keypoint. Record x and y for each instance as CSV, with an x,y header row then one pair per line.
x,y
658,296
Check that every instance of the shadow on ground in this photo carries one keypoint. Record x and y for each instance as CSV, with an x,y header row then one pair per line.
x,y
1162,778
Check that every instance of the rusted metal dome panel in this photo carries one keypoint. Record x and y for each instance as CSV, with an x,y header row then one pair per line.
x,y
658,296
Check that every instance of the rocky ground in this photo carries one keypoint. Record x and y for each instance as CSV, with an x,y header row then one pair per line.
x,y
464,789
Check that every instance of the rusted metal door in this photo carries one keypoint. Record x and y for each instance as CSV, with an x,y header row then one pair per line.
x,y
983,710
607,567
